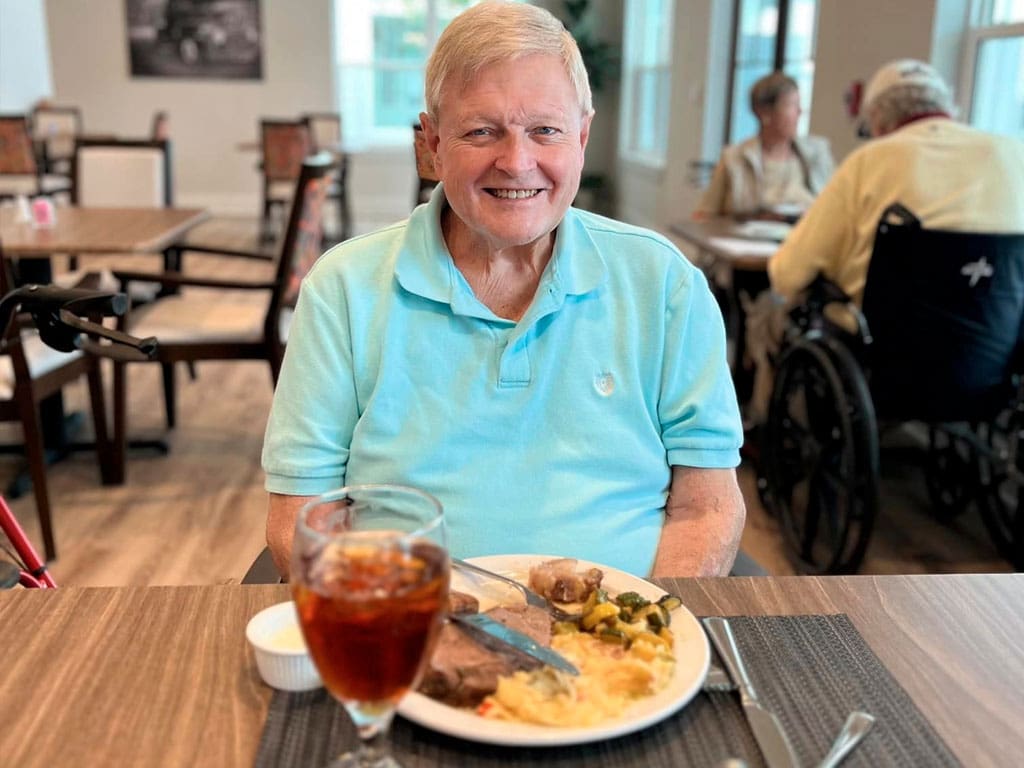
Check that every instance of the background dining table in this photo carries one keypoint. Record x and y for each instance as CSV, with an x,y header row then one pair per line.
x,y
735,261
164,675
97,230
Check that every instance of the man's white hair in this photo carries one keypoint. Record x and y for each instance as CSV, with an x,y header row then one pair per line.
x,y
497,31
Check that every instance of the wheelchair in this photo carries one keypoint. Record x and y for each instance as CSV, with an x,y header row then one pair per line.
x,y
939,340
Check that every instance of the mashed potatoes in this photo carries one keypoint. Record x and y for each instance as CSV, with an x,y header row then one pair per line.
x,y
611,678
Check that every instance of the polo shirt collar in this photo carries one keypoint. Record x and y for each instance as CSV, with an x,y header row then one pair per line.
x,y
425,267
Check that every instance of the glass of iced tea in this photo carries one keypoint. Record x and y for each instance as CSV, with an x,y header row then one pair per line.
x,y
370,577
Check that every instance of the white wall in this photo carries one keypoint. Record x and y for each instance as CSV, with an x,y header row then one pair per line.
x,y
24,55
208,118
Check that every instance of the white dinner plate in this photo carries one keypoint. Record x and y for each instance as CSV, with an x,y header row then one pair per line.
x,y
691,651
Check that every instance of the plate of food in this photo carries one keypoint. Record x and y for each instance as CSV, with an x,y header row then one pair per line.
x,y
642,656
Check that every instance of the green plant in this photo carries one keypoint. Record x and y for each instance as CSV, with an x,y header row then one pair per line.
x,y
600,57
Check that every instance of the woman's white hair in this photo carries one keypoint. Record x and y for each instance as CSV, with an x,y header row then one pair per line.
x,y
497,31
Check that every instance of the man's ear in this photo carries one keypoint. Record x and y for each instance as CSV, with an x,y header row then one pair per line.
x,y
429,131
432,138
585,129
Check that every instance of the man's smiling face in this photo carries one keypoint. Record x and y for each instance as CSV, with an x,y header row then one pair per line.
x,y
509,148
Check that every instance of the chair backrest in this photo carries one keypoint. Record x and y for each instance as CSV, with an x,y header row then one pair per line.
x,y
285,144
303,236
17,156
58,127
946,313
124,174
324,130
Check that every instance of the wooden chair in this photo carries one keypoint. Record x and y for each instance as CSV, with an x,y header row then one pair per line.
x,y
325,131
213,319
122,174
284,143
55,130
425,173
20,171
30,372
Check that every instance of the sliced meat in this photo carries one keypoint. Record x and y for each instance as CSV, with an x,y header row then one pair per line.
x,y
535,622
462,671
558,580
460,602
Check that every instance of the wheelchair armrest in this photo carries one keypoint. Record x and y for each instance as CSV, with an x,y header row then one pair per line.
x,y
809,316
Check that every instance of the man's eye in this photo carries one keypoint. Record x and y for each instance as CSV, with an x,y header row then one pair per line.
x,y
480,132
545,130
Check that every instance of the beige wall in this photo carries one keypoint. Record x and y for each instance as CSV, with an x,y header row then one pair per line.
x,y
89,54
854,39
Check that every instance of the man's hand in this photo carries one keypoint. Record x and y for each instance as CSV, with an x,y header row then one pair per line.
x,y
281,516
704,519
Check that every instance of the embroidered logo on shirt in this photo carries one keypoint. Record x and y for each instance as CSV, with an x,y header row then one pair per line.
x,y
977,270
604,383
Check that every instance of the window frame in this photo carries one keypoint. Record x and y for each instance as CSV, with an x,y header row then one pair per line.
x,y
778,54
974,38
659,110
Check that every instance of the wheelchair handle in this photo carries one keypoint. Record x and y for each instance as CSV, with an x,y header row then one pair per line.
x,y
57,314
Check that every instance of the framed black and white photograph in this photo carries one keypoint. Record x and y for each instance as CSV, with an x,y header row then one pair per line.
x,y
195,38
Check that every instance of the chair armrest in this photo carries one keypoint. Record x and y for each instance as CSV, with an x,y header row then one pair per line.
x,y
176,279
216,250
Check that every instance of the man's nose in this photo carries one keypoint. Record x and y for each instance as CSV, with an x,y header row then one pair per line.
x,y
515,155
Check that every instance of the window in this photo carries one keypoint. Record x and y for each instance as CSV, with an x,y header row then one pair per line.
x,y
646,75
770,35
381,50
993,83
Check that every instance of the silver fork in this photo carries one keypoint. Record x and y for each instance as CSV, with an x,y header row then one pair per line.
x,y
531,597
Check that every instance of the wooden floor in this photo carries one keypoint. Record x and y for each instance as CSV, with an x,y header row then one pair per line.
x,y
196,515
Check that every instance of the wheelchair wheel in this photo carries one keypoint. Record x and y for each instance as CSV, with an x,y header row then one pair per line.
x,y
1002,500
821,457
950,473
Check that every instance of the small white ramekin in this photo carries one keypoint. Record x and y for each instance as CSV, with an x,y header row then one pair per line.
x,y
282,668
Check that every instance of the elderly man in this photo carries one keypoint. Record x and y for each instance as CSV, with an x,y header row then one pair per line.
x,y
556,379
951,176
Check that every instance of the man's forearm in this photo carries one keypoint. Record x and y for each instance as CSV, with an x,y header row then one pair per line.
x,y
704,519
281,516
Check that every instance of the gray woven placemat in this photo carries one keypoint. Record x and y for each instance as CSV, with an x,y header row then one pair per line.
x,y
812,671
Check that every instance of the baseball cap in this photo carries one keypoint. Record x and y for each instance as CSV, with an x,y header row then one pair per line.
x,y
902,72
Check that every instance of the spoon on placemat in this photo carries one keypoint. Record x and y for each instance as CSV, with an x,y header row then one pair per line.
x,y
854,729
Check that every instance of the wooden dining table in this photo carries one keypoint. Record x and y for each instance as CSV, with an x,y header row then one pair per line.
x,y
85,230
164,676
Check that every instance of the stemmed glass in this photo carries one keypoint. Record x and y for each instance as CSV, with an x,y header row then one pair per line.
x,y
370,575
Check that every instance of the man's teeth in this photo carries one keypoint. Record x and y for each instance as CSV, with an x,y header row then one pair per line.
x,y
514,194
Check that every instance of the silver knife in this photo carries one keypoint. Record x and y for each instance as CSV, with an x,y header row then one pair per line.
x,y
772,740
513,637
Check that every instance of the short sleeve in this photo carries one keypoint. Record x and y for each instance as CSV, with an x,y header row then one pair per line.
x,y
315,409
698,411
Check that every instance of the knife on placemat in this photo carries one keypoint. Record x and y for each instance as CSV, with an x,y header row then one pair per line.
x,y
480,622
772,740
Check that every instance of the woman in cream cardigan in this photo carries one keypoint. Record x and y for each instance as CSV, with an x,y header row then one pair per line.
x,y
775,172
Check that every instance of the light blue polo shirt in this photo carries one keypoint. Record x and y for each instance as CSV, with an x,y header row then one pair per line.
x,y
554,434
